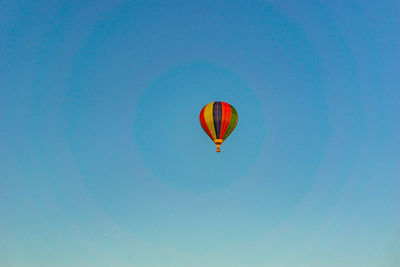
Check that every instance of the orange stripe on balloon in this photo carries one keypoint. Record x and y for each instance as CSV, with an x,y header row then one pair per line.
x,y
223,120
226,117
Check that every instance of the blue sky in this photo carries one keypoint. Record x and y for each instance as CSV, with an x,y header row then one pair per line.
x,y
103,161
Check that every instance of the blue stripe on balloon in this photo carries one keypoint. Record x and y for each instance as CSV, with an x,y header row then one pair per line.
x,y
217,116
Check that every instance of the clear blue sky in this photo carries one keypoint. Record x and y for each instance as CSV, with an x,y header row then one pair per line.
x,y
103,161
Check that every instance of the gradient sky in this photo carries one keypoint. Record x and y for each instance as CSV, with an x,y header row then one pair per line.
x,y
103,161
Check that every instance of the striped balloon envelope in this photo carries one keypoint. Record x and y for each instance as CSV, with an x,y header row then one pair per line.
x,y
218,120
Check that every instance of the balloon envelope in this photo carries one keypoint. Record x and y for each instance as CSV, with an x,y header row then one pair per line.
x,y
218,120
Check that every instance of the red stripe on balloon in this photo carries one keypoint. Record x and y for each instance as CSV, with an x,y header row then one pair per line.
x,y
204,124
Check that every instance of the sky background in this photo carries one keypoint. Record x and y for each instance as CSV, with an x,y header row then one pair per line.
x,y
103,161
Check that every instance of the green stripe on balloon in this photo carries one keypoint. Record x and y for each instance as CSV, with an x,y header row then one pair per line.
x,y
232,123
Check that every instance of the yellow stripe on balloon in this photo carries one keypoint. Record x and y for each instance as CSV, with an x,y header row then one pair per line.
x,y
209,118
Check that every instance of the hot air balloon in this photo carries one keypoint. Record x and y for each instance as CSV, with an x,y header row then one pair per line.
x,y
218,120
